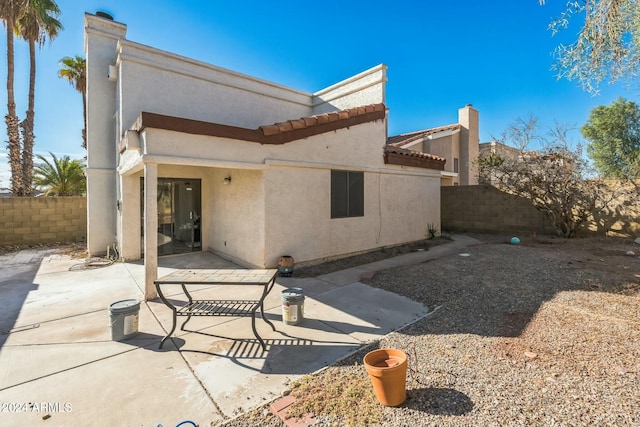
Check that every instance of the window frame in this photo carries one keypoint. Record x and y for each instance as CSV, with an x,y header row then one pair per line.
x,y
352,193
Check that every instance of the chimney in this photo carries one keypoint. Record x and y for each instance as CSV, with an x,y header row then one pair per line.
x,y
101,36
468,117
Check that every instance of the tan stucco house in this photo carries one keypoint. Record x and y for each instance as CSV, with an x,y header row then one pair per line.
x,y
185,156
457,143
495,148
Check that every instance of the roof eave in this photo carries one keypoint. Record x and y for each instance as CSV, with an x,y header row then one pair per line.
x,y
293,131
391,158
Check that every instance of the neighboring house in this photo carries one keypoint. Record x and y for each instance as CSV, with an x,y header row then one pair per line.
x,y
456,143
495,148
183,156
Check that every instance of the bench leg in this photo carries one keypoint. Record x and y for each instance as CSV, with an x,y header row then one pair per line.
x,y
265,318
185,322
255,331
173,328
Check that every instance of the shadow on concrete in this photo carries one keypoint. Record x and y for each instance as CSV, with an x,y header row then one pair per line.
x,y
152,341
335,326
14,291
287,355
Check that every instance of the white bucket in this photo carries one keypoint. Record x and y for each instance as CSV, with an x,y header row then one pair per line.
x,y
292,306
124,319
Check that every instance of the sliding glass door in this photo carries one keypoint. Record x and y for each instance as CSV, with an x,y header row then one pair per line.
x,y
179,210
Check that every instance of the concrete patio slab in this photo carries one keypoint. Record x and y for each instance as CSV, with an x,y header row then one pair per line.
x,y
51,264
363,312
312,286
230,362
64,294
89,327
56,351
44,349
24,364
344,277
137,388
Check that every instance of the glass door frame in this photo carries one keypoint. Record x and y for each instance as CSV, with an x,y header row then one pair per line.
x,y
179,215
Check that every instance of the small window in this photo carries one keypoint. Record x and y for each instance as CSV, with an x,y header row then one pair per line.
x,y
347,194
455,165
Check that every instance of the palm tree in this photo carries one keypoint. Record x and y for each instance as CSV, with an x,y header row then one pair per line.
x,y
38,23
74,70
61,177
10,13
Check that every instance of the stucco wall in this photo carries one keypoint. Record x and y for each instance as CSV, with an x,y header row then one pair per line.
x,y
233,222
447,147
415,209
357,146
101,37
26,220
193,89
278,201
364,88
296,213
199,91
299,212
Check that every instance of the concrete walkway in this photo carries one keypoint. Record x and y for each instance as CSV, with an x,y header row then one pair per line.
x,y
59,366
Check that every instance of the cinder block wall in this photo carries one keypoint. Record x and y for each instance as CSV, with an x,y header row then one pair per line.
x,y
483,208
30,220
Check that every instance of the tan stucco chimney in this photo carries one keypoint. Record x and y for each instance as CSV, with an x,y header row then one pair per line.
x,y
468,117
101,35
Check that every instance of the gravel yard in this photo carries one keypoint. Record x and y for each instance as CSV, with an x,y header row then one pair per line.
x,y
545,333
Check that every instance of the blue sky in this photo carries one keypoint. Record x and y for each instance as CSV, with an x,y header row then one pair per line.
x,y
494,55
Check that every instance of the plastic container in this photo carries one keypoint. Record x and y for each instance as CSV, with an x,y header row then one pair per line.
x,y
292,306
124,317
285,265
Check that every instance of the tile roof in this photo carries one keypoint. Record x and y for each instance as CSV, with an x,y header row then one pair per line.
x,y
322,119
278,133
405,157
405,138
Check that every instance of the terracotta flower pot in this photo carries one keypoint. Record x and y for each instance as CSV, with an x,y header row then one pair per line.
x,y
387,369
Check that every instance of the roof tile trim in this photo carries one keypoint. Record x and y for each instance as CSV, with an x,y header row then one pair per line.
x,y
278,133
403,139
405,157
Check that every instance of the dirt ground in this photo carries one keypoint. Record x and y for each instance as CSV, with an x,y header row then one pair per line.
x,y
544,333
74,250
614,260
590,253
317,269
